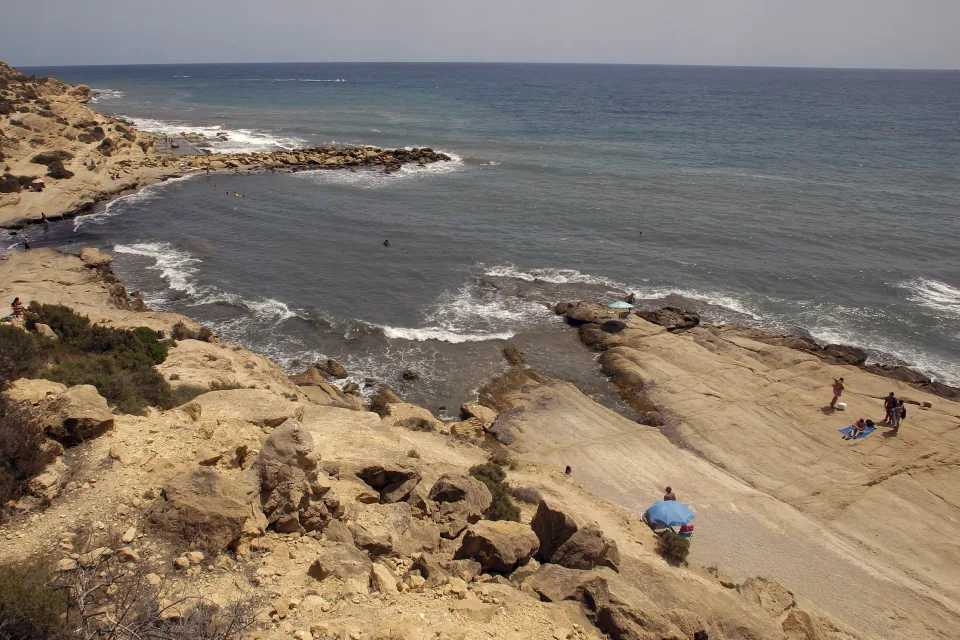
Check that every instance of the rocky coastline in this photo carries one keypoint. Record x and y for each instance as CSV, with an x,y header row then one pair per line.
x,y
82,158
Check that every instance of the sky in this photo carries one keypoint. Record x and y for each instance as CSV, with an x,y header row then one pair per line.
x,y
809,33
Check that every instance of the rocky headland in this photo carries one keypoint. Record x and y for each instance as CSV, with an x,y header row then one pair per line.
x,y
48,133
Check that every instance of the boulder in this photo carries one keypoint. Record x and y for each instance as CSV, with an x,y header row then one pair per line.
x,y
34,391
346,563
803,625
429,567
469,429
210,508
77,414
288,474
513,355
633,623
333,368
311,376
586,549
554,583
585,311
394,484
260,407
93,258
769,595
461,496
377,527
553,525
499,546
382,579
376,544
409,375
336,531
673,318
44,331
843,354
478,411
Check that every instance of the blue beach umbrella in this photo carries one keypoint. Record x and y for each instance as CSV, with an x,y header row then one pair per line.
x,y
670,513
620,304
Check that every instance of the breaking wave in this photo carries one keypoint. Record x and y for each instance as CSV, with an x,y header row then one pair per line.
x,y
105,94
935,295
179,268
221,139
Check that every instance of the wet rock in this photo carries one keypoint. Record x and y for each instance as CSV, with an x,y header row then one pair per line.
x,y
409,375
673,318
843,354
513,355
585,312
333,368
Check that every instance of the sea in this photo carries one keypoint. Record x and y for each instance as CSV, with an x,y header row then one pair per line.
x,y
819,202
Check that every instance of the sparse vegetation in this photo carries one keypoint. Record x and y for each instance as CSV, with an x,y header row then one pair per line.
x,y
185,393
674,548
48,157
22,454
493,476
29,609
415,423
524,494
119,363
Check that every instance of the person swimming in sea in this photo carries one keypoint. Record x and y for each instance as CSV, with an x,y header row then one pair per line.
x,y
386,243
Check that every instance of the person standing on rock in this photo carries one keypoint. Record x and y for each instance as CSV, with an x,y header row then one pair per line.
x,y
890,409
838,388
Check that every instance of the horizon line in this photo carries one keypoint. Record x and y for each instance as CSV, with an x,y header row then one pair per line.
x,y
466,62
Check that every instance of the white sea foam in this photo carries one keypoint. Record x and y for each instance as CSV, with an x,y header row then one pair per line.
x,y
181,76
935,295
230,140
178,269
377,179
554,276
117,206
444,335
105,94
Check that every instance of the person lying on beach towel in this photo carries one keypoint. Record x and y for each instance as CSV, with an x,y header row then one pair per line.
x,y
861,429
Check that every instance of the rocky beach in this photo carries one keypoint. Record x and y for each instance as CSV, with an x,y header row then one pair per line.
x,y
316,505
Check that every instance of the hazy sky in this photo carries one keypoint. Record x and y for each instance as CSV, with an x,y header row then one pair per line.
x,y
822,33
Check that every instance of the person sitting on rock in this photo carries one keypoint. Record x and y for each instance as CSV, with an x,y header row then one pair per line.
x,y
669,494
18,309
858,428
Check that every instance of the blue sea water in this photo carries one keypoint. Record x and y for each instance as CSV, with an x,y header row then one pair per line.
x,y
820,201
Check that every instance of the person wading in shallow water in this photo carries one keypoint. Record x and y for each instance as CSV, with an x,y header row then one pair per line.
x,y
838,388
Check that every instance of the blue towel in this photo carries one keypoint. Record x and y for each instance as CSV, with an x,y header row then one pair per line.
x,y
865,433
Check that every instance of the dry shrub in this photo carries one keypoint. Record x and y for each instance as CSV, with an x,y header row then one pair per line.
x,y
494,477
22,451
415,423
524,494
674,548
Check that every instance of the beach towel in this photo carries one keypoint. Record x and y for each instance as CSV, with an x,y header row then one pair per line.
x,y
865,433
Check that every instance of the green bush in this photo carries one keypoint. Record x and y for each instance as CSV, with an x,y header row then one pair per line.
x,y
118,362
51,156
151,340
493,476
674,548
29,609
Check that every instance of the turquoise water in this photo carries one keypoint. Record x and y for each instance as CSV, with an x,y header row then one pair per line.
x,y
817,201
